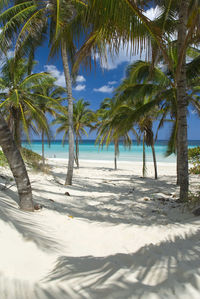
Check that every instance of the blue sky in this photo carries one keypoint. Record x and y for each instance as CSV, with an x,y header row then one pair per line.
x,y
99,83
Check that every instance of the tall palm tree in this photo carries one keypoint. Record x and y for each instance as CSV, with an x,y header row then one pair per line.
x,y
141,95
114,23
143,80
15,160
82,118
145,125
130,117
48,100
108,127
117,22
62,19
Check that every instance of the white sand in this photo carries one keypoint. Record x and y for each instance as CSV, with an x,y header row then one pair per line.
x,y
104,240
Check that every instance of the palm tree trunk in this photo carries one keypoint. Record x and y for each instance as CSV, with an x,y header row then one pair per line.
x,y
182,103
43,160
177,165
116,151
17,167
144,158
17,132
77,152
154,160
70,113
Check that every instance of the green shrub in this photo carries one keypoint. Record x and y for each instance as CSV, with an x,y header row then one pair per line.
x,y
193,199
31,158
195,169
194,158
3,160
34,160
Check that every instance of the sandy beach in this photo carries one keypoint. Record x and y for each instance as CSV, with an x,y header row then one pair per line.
x,y
117,235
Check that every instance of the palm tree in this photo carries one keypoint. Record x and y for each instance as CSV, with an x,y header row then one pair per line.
x,y
140,94
116,22
130,117
15,161
145,125
48,99
108,127
62,19
17,99
143,80
82,118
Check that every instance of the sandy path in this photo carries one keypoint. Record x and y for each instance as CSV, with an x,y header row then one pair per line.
x,y
111,238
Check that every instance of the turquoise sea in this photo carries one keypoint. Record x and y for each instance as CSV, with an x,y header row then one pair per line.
x,y
90,151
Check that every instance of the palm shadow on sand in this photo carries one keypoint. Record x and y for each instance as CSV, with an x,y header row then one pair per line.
x,y
166,270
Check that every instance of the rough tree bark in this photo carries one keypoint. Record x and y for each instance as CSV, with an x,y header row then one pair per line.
x,y
154,160
182,102
69,177
43,159
143,157
116,152
17,167
177,165
77,152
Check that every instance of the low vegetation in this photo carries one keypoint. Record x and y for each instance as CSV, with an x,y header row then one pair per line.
x,y
3,160
32,160
194,159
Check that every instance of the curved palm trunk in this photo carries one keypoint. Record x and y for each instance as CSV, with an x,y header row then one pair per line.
x,y
144,158
77,152
43,159
70,113
17,167
182,103
16,127
154,160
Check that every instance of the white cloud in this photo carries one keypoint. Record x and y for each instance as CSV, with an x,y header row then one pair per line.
x,y
57,74
80,79
6,90
153,13
112,82
125,54
10,54
194,111
79,87
104,89
61,77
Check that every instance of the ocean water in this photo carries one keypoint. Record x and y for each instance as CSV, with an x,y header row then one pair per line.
x,y
89,151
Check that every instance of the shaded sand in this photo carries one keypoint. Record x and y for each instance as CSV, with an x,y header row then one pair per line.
x,y
116,236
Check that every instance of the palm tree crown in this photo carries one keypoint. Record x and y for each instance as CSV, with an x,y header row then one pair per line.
x,y
82,118
18,99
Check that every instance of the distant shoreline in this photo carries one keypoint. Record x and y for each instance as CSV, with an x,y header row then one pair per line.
x,y
88,150
94,162
83,140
